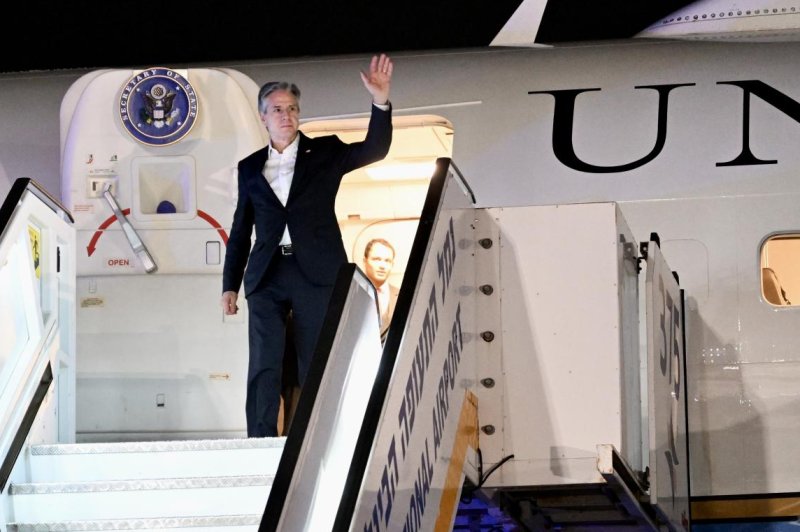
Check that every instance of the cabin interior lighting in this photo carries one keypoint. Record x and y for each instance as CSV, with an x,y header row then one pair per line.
x,y
402,171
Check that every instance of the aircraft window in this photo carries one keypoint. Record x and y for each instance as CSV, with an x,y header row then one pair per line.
x,y
780,281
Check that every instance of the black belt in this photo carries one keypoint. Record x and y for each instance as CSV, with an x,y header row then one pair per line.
x,y
286,250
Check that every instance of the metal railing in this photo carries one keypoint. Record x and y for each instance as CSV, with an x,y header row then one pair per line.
x,y
37,318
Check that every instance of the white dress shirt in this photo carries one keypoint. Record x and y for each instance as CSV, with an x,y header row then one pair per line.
x,y
279,170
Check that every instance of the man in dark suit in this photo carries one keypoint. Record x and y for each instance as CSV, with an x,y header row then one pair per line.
x,y
287,191
378,263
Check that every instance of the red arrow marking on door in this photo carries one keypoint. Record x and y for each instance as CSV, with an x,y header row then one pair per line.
x,y
215,224
103,226
111,219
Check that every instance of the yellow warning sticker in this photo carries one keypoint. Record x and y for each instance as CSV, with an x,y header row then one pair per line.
x,y
36,248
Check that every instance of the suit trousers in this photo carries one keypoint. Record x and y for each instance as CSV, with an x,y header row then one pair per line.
x,y
283,288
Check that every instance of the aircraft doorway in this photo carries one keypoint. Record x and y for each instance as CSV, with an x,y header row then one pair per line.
x,y
384,200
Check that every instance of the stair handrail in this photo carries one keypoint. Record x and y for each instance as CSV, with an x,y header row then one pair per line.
x,y
397,327
281,487
21,186
36,369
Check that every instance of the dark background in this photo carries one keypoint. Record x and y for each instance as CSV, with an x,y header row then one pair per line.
x,y
95,34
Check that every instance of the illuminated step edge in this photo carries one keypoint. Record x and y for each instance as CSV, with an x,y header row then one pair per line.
x,y
51,502
147,460
158,446
41,488
222,522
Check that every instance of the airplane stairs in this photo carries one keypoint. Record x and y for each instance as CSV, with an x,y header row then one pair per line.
x,y
385,437
162,485
49,483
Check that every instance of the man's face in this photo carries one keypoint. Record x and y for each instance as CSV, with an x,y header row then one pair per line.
x,y
281,117
378,264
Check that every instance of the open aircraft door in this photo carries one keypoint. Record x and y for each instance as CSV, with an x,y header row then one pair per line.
x,y
148,169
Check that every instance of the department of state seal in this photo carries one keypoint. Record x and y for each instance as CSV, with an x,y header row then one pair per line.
x,y
158,106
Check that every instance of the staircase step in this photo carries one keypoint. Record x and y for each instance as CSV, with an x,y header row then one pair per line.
x,y
222,523
165,498
141,460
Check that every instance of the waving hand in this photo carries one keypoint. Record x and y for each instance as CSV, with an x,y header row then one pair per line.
x,y
378,79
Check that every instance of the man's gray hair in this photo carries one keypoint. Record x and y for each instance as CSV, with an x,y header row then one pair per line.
x,y
272,86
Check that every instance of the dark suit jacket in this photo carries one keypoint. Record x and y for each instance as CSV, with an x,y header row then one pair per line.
x,y
309,211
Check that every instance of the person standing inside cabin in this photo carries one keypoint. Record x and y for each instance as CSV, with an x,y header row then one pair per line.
x,y
287,192
378,262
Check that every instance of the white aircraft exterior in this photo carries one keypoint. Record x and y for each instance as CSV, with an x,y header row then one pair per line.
x,y
693,141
